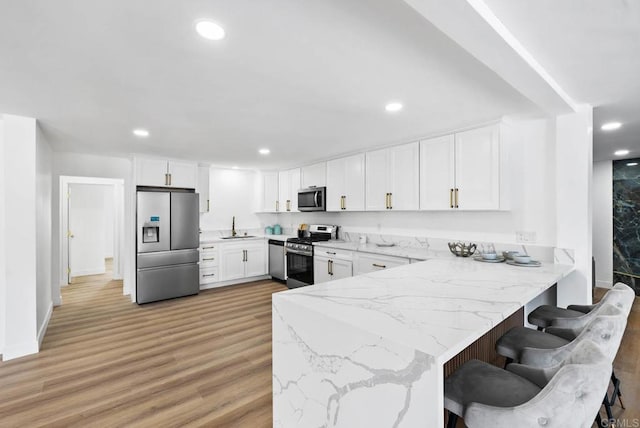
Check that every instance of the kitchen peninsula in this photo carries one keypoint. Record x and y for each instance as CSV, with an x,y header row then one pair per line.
x,y
370,350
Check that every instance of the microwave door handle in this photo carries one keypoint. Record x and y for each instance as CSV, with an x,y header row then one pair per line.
x,y
315,198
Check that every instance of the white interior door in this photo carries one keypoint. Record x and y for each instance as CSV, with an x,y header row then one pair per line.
x,y
86,233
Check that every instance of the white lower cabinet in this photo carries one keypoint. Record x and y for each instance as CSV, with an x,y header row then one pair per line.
x,y
366,263
243,260
330,264
209,272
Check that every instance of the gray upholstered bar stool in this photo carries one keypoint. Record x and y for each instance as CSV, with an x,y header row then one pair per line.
x,y
545,315
569,394
538,349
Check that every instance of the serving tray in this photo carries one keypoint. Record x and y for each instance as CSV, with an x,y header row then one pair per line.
x,y
532,263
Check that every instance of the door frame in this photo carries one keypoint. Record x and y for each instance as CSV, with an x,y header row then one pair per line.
x,y
118,240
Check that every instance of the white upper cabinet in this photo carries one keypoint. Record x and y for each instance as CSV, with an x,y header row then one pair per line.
x,y
270,192
162,173
345,183
288,186
151,172
478,169
313,175
203,189
461,171
437,173
183,174
392,178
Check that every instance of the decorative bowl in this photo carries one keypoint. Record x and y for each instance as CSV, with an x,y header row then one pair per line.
x,y
489,256
509,254
461,249
521,258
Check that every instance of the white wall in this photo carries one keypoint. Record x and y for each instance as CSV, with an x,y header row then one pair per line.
x,y
3,289
574,175
603,222
44,161
531,175
232,193
20,239
109,220
87,222
84,165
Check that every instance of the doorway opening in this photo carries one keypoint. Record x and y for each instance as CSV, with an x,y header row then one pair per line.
x,y
91,228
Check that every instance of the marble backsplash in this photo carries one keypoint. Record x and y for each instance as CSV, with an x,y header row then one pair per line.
x,y
538,252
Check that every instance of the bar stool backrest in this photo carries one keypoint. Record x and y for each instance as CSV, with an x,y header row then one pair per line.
x,y
572,398
605,331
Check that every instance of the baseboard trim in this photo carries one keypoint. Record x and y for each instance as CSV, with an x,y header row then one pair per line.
x,y
85,272
233,282
20,350
45,324
603,284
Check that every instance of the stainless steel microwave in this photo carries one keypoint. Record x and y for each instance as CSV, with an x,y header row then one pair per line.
x,y
312,199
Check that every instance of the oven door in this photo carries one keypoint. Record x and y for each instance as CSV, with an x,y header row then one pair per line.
x,y
299,270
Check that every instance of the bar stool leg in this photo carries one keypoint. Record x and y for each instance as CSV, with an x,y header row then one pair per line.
x,y
607,407
453,420
616,390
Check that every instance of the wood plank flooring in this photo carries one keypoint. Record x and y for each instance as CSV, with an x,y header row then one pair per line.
x,y
196,361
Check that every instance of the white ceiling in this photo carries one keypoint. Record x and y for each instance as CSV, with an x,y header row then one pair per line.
x,y
308,79
592,49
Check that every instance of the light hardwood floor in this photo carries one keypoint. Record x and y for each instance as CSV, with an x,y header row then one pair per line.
x,y
196,361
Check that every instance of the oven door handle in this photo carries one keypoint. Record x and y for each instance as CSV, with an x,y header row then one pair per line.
x,y
300,253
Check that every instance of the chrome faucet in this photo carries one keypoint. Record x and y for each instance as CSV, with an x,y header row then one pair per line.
x,y
233,226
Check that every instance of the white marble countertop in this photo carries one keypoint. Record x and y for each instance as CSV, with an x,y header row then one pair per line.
x,y
438,306
251,238
398,251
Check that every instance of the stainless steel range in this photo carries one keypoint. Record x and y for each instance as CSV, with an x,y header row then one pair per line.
x,y
300,254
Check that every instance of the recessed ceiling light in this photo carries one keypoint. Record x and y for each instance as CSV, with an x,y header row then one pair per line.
x,y
393,107
632,164
611,126
235,167
264,151
210,30
141,133
621,152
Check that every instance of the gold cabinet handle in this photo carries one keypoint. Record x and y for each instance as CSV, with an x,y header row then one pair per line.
x,y
208,248
344,202
451,198
288,205
208,205
330,267
380,266
209,259
277,205
456,197
386,200
209,274
390,201
169,179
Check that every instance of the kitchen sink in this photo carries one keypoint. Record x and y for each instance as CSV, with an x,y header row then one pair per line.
x,y
238,237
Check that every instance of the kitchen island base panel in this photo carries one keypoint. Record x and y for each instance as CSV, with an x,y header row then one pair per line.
x,y
324,370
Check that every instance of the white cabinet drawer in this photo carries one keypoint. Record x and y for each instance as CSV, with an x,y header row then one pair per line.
x,y
208,275
333,253
209,255
366,263
209,258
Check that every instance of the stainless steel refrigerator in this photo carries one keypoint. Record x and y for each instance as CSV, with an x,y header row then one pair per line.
x,y
167,245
